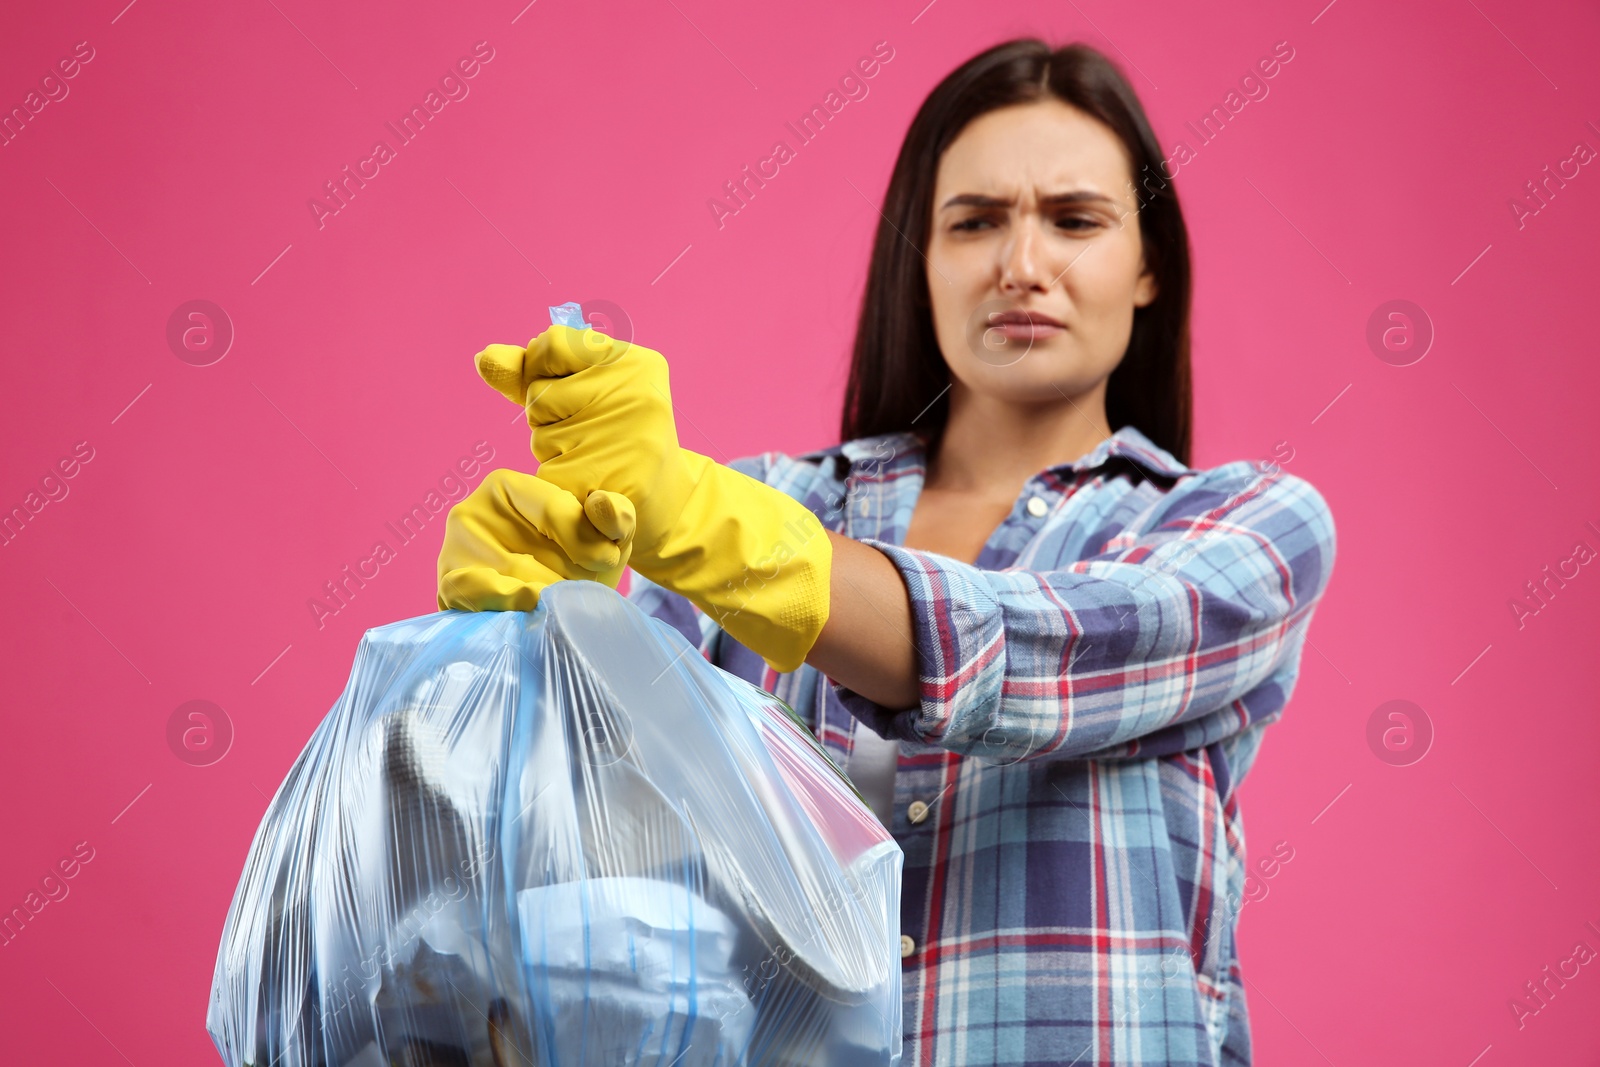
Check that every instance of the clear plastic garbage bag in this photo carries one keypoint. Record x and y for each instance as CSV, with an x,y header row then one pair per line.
x,y
559,839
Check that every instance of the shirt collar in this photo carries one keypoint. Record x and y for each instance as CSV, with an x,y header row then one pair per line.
x,y
898,450
1128,443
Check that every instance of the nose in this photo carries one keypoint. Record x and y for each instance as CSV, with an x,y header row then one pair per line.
x,y
1020,268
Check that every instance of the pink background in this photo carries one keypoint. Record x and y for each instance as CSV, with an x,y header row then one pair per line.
x,y
179,565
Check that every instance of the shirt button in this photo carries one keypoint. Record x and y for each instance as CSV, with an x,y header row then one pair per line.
x,y
908,947
1038,507
917,811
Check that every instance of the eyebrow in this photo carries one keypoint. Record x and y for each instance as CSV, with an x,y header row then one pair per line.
x,y
1054,200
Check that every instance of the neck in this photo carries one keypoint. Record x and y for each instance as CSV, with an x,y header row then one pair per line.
x,y
991,446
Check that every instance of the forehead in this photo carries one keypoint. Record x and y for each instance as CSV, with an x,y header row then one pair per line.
x,y
1044,146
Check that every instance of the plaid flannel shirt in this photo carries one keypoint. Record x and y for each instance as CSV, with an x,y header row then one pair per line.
x,y
1093,690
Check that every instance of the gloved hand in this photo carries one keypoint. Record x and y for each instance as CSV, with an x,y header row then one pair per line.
x,y
515,534
753,558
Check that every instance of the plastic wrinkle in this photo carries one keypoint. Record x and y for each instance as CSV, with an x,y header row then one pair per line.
x,y
562,839
568,314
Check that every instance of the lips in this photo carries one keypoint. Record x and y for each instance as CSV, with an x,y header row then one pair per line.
x,y
1008,329
1024,318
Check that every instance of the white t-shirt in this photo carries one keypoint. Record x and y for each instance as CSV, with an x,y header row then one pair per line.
x,y
872,765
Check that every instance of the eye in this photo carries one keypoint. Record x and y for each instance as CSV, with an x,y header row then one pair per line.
x,y
970,224
1077,223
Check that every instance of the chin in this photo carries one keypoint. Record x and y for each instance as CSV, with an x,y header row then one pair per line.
x,y
1037,377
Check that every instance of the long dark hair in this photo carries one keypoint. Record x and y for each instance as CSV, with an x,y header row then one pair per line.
x,y
896,371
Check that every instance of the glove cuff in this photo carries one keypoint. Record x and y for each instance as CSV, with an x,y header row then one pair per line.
x,y
751,557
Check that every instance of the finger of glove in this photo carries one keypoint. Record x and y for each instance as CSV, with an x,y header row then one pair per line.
x,y
483,531
612,514
493,560
479,588
557,515
631,395
553,400
536,561
562,350
501,366
556,353
488,529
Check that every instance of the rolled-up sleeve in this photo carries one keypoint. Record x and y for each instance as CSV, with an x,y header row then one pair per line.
x,y
1201,601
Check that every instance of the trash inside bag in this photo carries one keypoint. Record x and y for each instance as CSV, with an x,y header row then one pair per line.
x,y
560,838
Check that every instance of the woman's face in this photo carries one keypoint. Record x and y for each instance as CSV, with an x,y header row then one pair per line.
x,y
1034,261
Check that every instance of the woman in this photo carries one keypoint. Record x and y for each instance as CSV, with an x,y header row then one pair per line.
x,y
1046,650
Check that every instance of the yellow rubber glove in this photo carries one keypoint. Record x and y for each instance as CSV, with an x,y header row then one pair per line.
x,y
753,558
515,534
